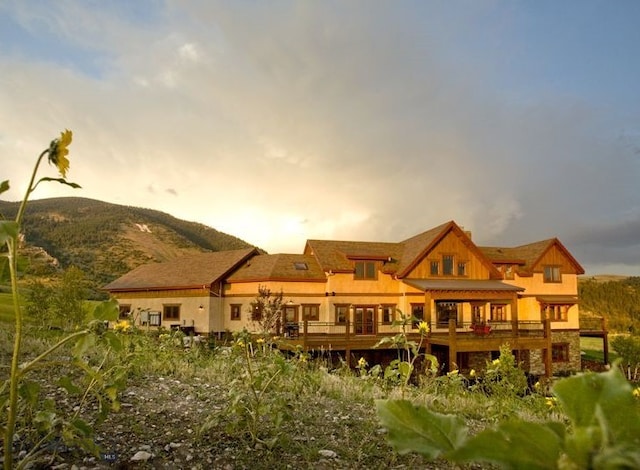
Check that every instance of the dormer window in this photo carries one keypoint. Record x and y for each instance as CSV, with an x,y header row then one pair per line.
x,y
552,274
365,270
300,266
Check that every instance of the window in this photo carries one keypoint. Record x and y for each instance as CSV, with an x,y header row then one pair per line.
x,y
124,311
447,265
446,311
300,266
342,313
417,312
435,268
498,312
477,313
462,268
560,352
154,318
171,312
365,270
256,312
507,270
388,314
235,311
555,312
552,274
311,312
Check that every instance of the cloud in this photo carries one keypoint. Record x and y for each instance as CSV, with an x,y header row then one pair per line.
x,y
283,121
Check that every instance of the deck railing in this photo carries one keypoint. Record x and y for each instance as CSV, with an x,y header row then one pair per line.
x,y
317,329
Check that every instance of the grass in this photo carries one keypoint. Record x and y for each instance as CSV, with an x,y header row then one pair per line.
x,y
592,350
6,307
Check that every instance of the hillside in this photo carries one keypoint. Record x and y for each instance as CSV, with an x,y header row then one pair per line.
x,y
106,240
617,298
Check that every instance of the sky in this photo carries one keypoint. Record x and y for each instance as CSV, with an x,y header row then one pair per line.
x,y
282,121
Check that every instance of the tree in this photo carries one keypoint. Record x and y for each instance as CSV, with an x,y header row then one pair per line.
x,y
68,302
266,310
38,302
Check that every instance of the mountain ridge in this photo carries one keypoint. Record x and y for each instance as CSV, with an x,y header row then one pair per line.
x,y
106,240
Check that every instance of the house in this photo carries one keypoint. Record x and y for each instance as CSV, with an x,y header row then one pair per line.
x,y
343,296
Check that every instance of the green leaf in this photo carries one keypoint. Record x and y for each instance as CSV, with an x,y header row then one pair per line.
x,y
106,311
8,231
82,428
45,420
113,340
516,445
66,383
603,399
82,345
416,429
4,186
62,181
30,392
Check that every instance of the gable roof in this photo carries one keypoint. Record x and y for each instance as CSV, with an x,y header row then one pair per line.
x,y
185,272
398,258
528,256
279,267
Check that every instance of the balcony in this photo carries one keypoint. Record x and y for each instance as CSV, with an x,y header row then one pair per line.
x,y
464,336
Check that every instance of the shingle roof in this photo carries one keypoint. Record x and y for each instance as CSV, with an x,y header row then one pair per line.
x,y
526,256
187,271
279,267
336,256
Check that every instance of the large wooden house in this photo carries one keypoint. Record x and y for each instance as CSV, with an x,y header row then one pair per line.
x,y
343,297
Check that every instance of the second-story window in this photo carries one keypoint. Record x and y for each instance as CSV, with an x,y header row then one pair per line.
x,y
462,268
435,268
552,274
447,265
311,312
365,270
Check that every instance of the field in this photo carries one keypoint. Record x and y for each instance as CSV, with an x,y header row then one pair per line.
x,y
235,406
591,349
6,307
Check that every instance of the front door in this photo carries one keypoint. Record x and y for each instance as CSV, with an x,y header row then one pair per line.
x,y
364,321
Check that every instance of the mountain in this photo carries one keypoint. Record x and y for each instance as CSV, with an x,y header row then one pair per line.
x,y
106,240
616,298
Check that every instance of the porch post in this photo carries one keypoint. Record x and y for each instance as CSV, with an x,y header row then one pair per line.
x,y
514,315
453,352
547,351
305,329
605,341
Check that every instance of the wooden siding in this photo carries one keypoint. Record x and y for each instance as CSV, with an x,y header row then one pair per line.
x,y
555,257
451,244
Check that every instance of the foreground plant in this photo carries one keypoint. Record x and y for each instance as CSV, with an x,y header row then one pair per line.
x,y
400,370
604,430
16,393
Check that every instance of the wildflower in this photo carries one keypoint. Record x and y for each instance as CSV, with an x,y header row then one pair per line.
x,y
453,373
536,385
495,362
551,402
362,363
423,327
260,340
240,343
472,373
122,326
58,152
636,392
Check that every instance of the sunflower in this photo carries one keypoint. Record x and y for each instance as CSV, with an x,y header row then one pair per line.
x,y
58,152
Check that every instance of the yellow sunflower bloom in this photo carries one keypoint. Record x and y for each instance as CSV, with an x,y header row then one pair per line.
x,y
58,152
423,327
